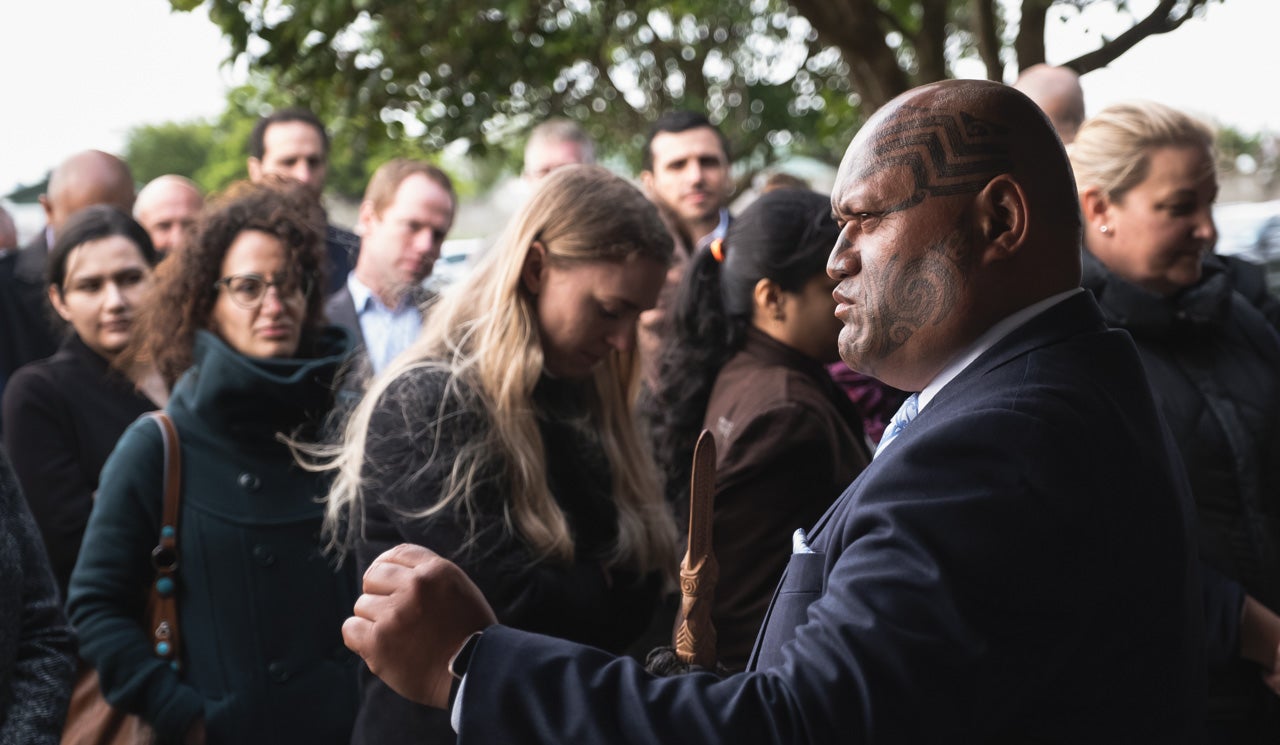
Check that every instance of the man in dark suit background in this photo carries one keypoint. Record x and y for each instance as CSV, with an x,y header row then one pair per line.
x,y
406,214
1015,565
292,143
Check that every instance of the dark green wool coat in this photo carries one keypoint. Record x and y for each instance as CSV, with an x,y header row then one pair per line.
x,y
260,607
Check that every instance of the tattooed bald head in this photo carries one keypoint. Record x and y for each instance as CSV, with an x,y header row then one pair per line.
x,y
957,208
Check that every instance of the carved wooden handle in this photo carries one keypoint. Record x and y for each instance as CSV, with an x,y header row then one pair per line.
x,y
695,637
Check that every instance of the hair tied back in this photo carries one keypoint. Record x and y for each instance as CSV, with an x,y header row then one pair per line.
x,y
717,250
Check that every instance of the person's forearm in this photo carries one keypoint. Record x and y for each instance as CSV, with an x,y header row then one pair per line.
x,y
1259,633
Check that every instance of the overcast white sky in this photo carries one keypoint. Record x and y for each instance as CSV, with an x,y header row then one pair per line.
x,y
77,74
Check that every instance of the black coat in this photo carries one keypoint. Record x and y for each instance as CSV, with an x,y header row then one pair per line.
x,y
37,651
407,460
63,416
27,326
260,605
1214,364
341,248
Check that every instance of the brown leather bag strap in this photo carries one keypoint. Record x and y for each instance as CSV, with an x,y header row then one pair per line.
x,y
162,608
695,636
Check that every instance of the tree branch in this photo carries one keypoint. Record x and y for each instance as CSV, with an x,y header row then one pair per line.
x,y
931,42
852,26
1159,21
1028,47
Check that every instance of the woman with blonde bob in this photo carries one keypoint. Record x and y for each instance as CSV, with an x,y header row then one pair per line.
x,y
1147,184
504,439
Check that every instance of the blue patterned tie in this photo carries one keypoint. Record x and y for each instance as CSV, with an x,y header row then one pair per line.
x,y
900,420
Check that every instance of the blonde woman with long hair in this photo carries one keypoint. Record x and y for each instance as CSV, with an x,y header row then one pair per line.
x,y
504,438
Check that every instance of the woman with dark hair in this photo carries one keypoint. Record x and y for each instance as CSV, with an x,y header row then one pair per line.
x,y
752,327
64,414
236,325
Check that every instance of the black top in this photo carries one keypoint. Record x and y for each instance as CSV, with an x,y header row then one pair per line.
x,y
37,651
26,323
63,416
341,247
1212,359
406,468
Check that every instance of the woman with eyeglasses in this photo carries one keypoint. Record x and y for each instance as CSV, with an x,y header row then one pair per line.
x,y
63,414
236,325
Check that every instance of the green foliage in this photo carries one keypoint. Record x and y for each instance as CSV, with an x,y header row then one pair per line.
x,y
419,74
173,147
780,77
1232,144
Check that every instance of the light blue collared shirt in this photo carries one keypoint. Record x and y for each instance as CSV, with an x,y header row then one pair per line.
x,y
387,331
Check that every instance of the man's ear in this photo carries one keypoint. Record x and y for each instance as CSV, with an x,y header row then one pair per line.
x,y
534,270
646,180
59,303
48,209
366,217
255,169
1001,218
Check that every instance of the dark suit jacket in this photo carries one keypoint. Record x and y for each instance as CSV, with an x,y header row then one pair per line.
x,y
354,377
27,328
340,308
1017,567
341,246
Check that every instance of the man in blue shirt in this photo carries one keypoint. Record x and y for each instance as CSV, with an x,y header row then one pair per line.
x,y
407,211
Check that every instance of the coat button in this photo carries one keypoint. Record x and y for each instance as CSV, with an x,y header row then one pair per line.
x,y
278,672
264,555
249,482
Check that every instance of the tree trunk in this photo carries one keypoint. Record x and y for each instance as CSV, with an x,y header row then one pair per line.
x,y
853,27
1029,46
984,21
931,42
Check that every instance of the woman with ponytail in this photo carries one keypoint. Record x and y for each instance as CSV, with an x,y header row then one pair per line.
x,y
751,329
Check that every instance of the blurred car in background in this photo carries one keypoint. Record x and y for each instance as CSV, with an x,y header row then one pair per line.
x,y
1251,231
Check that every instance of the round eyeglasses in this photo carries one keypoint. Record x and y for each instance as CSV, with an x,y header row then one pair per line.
x,y
248,290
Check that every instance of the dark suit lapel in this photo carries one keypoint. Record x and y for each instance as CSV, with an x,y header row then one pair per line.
x,y
341,310
1074,315
30,263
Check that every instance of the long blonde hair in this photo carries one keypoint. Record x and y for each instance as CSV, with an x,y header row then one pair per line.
x,y
483,334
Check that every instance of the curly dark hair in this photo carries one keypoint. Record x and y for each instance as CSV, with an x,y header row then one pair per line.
x,y
183,299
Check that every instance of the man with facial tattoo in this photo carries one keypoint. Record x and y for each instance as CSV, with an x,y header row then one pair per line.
x,y
1015,565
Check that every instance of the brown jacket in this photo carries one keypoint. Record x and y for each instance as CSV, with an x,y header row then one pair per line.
x,y
788,443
